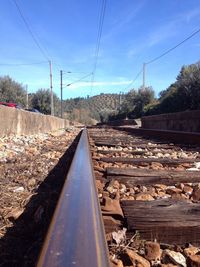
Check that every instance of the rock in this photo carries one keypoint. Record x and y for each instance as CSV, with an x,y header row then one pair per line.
x,y
162,194
186,165
143,196
152,251
194,261
178,196
18,189
187,189
180,186
143,189
98,168
159,155
191,251
116,184
131,192
111,206
136,259
99,185
182,155
14,214
169,265
120,236
116,263
156,166
111,189
197,165
32,150
179,168
122,188
105,194
196,193
31,182
160,186
130,198
176,257
172,191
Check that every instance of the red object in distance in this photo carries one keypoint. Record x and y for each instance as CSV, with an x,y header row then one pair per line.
x,y
11,105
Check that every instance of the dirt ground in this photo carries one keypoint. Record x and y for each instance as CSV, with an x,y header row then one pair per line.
x,y
32,172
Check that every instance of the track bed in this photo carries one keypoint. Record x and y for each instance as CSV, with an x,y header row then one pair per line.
x,y
151,188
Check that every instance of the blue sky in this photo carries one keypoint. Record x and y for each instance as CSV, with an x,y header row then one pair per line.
x,y
134,31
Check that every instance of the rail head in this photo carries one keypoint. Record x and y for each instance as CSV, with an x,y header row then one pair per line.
x,y
76,235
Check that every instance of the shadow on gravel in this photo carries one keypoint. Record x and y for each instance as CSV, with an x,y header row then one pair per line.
x,y
21,245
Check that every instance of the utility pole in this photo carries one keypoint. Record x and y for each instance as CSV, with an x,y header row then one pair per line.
x,y
144,75
26,96
120,100
51,89
61,93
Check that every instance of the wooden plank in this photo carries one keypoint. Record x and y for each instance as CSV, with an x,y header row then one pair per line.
x,y
148,177
119,143
138,161
135,172
133,181
168,221
159,146
111,151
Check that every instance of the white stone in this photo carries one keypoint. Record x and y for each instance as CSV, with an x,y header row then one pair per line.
x,y
119,236
19,189
176,257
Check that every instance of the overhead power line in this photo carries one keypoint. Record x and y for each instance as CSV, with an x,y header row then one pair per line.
x,y
99,35
82,78
174,47
42,50
30,31
23,64
98,41
136,77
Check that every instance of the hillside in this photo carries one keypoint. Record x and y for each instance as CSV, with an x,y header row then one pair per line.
x,y
96,107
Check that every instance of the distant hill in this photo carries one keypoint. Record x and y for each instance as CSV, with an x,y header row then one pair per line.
x,y
96,107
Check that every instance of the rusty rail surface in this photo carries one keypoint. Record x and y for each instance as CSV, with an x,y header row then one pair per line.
x,y
76,235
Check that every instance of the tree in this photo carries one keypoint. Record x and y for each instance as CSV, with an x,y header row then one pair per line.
x,y
129,101
11,91
144,97
184,93
41,100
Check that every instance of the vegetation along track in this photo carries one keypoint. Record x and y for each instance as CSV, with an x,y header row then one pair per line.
x,y
149,193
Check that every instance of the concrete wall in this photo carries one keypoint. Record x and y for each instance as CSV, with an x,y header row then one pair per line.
x,y
119,122
188,121
15,121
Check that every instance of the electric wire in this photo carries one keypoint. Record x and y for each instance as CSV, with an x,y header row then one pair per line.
x,y
98,41
23,64
82,78
163,54
136,77
30,31
174,47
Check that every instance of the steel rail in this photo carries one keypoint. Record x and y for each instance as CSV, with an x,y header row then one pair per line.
x,y
76,235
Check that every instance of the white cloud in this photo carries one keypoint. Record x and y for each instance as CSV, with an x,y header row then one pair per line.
x,y
86,84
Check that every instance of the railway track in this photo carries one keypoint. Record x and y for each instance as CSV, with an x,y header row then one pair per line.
x,y
149,193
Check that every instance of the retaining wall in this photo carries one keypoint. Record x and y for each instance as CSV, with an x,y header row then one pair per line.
x,y
188,121
119,122
21,122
